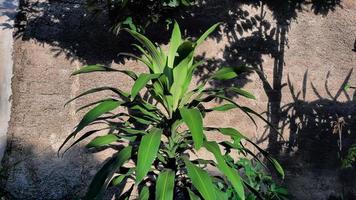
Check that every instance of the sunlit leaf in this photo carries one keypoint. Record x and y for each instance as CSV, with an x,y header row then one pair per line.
x,y
91,116
141,83
145,193
201,181
147,152
165,185
102,140
231,174
193,119
176,40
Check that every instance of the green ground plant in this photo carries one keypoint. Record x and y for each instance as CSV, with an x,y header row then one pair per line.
x,y
160,131
349,160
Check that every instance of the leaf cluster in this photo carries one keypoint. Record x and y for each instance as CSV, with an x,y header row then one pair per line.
x,y
161,128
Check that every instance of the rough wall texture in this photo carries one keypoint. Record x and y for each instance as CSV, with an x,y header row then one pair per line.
x,y
304,49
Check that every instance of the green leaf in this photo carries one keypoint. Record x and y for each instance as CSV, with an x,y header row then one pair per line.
x,y
96,112
151,48
225,73
224,107
99,89
102,68
235,134
102,178
347,86
133,131
94,103
180,75
277,166
141,83
85,135
184,49
207,33
91,116
201,181
145,193
231,174
241,92
93,68
147,153
273,161
176,40
192,196
142,111
165,185
193,119
102,140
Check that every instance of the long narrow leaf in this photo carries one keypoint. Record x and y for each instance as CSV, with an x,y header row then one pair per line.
x,y
99,89
91,116
103,176
231,174
147,152
193,119
201,181
93,68
176,40
207,33
102,140
141,83
165,185
151,48
145,193
225,73
102,68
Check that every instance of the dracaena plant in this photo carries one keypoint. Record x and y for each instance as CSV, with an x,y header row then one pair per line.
x,y
163,128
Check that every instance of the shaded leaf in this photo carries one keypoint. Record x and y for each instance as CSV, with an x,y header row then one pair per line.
x,y
192,196
207,33
225,73
242,92
224,107
103,176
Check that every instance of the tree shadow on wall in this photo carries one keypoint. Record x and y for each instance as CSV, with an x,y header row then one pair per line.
x,y
320,132
251,37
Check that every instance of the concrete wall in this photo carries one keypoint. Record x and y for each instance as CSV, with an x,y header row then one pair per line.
x,y
305,51
7,14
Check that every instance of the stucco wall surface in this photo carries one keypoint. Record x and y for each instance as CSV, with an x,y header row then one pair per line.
x,y
305,51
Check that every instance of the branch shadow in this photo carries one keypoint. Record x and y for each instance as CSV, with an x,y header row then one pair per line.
x,y
320,133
